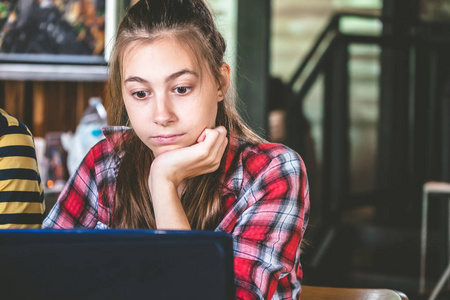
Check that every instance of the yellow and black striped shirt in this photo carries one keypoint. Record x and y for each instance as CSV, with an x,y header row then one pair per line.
x,y
21,191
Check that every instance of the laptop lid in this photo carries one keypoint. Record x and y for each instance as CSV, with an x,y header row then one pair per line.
x,y
115,264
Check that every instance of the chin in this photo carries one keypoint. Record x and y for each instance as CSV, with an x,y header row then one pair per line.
x,y
162,150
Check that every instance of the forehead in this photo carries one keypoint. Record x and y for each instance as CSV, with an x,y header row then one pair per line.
x,y
160,55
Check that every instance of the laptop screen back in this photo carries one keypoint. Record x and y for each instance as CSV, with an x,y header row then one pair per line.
x,y
115,264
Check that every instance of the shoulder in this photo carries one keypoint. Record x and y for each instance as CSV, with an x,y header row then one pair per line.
x,y
115,136
11,125
105,154
15,138
7,120
269,150
262,157
248,163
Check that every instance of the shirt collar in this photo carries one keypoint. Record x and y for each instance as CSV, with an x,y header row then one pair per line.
x,y
115,134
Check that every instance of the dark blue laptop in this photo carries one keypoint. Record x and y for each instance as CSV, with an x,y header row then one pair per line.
x,y
115,264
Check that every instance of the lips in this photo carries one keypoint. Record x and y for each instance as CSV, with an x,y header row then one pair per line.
x,y
167,139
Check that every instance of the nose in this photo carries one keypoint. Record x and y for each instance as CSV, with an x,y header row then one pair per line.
x,y
163,113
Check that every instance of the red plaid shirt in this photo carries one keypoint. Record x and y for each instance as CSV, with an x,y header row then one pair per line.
x,y
266,209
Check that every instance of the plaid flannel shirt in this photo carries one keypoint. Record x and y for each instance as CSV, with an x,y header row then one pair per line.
x,y
265,208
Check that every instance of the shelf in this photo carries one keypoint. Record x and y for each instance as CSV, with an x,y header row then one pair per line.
x,y
48,72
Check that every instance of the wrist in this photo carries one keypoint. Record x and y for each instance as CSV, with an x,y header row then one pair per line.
x,y
162,175
157,182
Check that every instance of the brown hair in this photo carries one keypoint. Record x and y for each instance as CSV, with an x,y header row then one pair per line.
x,y
190,22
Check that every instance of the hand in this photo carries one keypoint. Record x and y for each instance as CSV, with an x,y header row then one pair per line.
x,y
169,169
201,158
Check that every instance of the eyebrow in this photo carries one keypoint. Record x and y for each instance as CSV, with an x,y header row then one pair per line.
x,y
168,78
179,73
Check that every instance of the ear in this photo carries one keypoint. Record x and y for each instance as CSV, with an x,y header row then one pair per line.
x,y
224,81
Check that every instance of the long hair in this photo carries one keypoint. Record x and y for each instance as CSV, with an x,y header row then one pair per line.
x,y
190,22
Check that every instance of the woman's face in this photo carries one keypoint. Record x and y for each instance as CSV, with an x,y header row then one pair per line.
x,y
168,99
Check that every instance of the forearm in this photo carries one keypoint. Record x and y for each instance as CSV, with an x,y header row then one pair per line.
x,y
169,213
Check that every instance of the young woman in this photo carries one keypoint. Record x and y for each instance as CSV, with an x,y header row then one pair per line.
x,y
179,157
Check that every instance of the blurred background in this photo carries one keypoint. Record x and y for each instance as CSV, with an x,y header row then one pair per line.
x,y
361,89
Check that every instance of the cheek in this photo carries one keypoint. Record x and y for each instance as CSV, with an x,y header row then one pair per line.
x,y
213,116
130,114
205,116
127,108
134,111
209,108
213,109
135,118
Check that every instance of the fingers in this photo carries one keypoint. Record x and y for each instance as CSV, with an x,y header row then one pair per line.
x,y
202,137
217,140
213,147
201,158
220,129
224,141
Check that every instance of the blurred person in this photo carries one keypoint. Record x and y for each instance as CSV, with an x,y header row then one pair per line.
x,y
21,191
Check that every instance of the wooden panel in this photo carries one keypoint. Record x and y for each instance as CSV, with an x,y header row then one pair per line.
x,y
14,98
71,100
66,102
80,102
49,106
53,107
2,94
38,109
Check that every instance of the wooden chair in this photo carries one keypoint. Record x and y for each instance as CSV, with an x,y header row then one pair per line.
x,y
332,293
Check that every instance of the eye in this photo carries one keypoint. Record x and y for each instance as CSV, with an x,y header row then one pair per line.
x,y
182,90
140,95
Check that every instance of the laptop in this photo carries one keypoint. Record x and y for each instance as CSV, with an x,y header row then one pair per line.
x,y
115,264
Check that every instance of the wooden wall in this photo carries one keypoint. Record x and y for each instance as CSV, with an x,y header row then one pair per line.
x,y
46,106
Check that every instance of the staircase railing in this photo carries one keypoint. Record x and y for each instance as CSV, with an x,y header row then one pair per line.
x,y
329,59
